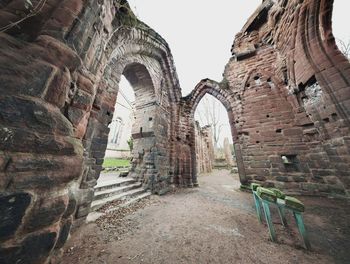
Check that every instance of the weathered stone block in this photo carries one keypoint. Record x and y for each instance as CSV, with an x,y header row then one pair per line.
x,y
260,164
292,132
259,178
4,161
72,204
55,52
36,115
80,120
337,189
28,162
11,139
332,180
322,173
42,171
33,249
85,84
75,115
299,179
82,211
31,75
86,196
45,212
12,208
282,179
309,187
57,92
82,100
64,233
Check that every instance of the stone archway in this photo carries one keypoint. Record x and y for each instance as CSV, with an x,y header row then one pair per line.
x,y
146,65
190,104
143,132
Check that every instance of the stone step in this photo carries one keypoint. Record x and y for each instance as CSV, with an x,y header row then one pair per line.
x,y
121,196
131,201
93,216
113,191
114,184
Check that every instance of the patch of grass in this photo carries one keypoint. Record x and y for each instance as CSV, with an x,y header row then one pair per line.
x,y
111,162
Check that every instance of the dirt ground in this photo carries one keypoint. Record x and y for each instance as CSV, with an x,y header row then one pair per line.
x,y
215,223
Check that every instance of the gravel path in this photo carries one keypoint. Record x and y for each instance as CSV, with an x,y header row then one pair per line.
x,y
214,223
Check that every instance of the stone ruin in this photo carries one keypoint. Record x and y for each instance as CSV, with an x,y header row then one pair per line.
x,y
228,153
286,89
204,148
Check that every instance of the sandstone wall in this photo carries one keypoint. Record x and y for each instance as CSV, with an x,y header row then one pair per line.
x,y
292,98
59,74
287,92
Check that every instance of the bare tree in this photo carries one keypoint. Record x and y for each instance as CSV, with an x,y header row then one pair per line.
x,y
344,47
209,112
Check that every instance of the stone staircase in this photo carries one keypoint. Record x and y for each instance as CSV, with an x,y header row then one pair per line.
x,y
126,189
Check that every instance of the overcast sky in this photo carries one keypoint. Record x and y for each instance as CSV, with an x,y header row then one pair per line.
x,y
200,33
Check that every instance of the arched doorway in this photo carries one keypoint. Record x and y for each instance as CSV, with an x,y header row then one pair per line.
x,y
213,136
148,68
146,112
189,107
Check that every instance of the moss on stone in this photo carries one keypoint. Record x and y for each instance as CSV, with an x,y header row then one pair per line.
x,y
224,84
294,204
266,194
279,193
254,186
245,188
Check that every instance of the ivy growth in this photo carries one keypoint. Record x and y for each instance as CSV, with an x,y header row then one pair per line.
x,y
224,84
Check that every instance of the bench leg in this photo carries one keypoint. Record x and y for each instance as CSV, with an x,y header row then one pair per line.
x,y
282,214
269,220
300,223
257,206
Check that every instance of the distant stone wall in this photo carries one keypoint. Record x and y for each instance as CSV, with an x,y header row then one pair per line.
x,y
204,148
228,153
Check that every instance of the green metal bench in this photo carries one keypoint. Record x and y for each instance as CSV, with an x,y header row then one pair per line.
x,y
265,197
297,207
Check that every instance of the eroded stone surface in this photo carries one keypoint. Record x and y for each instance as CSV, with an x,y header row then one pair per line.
x,y
33,249
13,208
